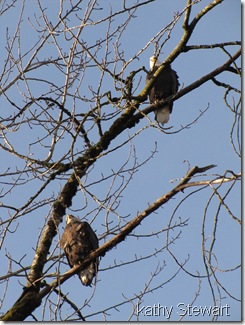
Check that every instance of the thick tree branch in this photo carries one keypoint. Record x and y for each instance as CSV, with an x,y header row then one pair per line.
x,y
31,299
34,291
187,89
126,120
188,29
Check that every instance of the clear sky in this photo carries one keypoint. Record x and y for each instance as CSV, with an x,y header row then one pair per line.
x,y
205,142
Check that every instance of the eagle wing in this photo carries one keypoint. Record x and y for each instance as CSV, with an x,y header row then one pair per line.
x,y
78,240
166,85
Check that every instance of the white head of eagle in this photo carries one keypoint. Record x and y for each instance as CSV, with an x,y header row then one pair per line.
x,y
78,240
165,86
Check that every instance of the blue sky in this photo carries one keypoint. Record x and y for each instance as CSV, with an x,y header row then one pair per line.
x,y
206,142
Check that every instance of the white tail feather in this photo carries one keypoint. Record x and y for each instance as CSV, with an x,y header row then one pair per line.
x,y
162,115
87,275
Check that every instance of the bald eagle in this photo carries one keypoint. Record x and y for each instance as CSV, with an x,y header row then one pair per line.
x,y
78,240
166,85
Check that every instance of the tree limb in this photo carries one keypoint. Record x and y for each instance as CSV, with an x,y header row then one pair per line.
x,y
31,299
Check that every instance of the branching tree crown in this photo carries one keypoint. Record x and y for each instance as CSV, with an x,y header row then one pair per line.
x,y
78,136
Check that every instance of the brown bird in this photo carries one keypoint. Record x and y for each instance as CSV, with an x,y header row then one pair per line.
x,y
165,85
78,240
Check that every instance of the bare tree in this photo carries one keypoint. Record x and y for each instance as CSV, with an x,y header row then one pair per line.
x,y
74,115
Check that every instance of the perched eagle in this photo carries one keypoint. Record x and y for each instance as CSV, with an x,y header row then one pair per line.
x,y
78,240
166,85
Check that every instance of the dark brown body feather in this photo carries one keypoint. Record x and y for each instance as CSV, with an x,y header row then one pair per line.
x,y
166,85
78,240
